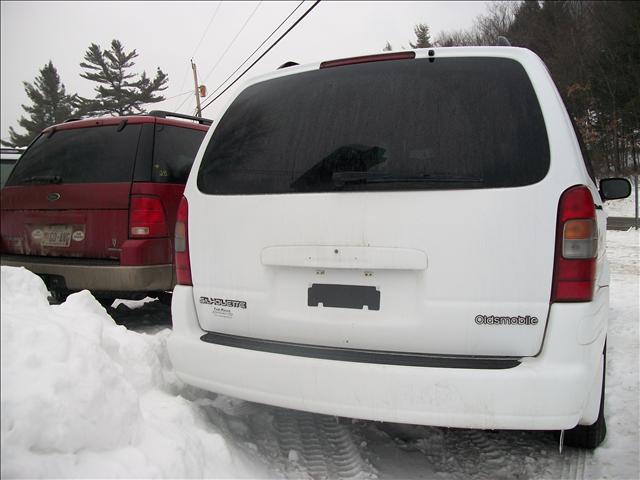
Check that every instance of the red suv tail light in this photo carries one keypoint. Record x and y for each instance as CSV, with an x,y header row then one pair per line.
x,y
147,218
576,247
183,263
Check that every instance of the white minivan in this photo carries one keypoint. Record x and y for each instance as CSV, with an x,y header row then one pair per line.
x,y
409,237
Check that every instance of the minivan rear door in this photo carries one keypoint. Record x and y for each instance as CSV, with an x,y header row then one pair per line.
x,y
395,206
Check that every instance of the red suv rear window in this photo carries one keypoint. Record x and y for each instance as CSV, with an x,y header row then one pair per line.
x,y
80,155
174,150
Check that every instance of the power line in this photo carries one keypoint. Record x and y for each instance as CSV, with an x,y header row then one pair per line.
x,y
265,52
207,29
253,53
227,49
232,41
184,77
182,102
178,95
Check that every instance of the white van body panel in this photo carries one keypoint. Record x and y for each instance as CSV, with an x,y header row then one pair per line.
x,y
428,310
554,390
470,239
438,260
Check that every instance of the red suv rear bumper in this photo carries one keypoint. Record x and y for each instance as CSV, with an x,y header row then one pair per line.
x,y
97,275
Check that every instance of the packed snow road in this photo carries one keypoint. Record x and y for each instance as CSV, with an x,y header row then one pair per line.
x,y
84,397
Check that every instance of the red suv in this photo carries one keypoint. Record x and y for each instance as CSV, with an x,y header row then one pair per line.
x,y
92,203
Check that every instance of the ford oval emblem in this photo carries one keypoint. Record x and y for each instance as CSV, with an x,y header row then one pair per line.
x,y
52,197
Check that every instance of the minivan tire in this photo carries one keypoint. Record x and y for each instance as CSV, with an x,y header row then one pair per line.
x,y
590,436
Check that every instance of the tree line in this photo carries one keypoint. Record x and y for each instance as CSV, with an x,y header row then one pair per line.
x,y
592,50
119,91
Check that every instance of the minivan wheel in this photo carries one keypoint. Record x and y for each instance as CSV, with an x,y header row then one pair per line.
x,y
590,436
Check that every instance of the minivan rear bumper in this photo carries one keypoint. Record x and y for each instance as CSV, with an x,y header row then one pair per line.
x,y
549,391
97,275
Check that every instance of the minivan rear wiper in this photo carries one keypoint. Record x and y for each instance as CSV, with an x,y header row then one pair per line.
x,y
350,177
43,179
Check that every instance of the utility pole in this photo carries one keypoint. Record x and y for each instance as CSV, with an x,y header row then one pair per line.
x,y
197,90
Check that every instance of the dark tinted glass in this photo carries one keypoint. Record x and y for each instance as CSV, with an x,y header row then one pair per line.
x,y
394,125
144,156
5,169
81,155
174,151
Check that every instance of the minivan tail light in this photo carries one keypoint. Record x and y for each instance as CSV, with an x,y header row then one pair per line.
x,y
181,242
147,218
576,247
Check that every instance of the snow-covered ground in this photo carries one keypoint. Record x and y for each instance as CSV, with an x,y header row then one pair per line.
x,y
84,397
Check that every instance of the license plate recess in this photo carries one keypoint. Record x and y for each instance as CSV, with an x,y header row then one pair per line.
x,y
343,296
56,235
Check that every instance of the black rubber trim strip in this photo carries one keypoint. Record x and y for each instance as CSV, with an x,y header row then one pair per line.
x,y
362,356
72,261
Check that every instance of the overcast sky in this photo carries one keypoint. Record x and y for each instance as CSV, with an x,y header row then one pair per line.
x,y
168,34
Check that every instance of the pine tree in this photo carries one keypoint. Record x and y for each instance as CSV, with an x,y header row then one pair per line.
x,y
50,105
119,91
423,39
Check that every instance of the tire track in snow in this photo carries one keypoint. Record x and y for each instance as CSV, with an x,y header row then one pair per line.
x,y
443,453
320,445
573,463
302,445
295,444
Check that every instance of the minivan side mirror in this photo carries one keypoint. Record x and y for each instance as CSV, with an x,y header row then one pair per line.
x,y
614,188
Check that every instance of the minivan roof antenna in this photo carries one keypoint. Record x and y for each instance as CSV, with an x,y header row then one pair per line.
x,y
288,64
503,41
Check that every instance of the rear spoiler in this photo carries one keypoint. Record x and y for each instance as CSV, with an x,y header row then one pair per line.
x,y
164,114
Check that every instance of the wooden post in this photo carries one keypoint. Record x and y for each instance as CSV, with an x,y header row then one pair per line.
x,y
197,90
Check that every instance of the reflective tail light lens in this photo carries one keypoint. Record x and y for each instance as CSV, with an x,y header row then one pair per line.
x,y
368,58
147,218
181,242
580,239
576,247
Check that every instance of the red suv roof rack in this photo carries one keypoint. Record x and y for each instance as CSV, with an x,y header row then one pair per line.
x,y
164,114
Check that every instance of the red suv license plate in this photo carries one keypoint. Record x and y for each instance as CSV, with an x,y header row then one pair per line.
x,y
57,235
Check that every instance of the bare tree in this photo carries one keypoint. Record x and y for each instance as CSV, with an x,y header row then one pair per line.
x,y
486,28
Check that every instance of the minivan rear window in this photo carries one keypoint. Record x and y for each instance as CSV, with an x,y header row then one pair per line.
x,y
101,154
397,125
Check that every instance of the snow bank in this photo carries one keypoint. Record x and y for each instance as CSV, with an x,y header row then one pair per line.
x,y
83,397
